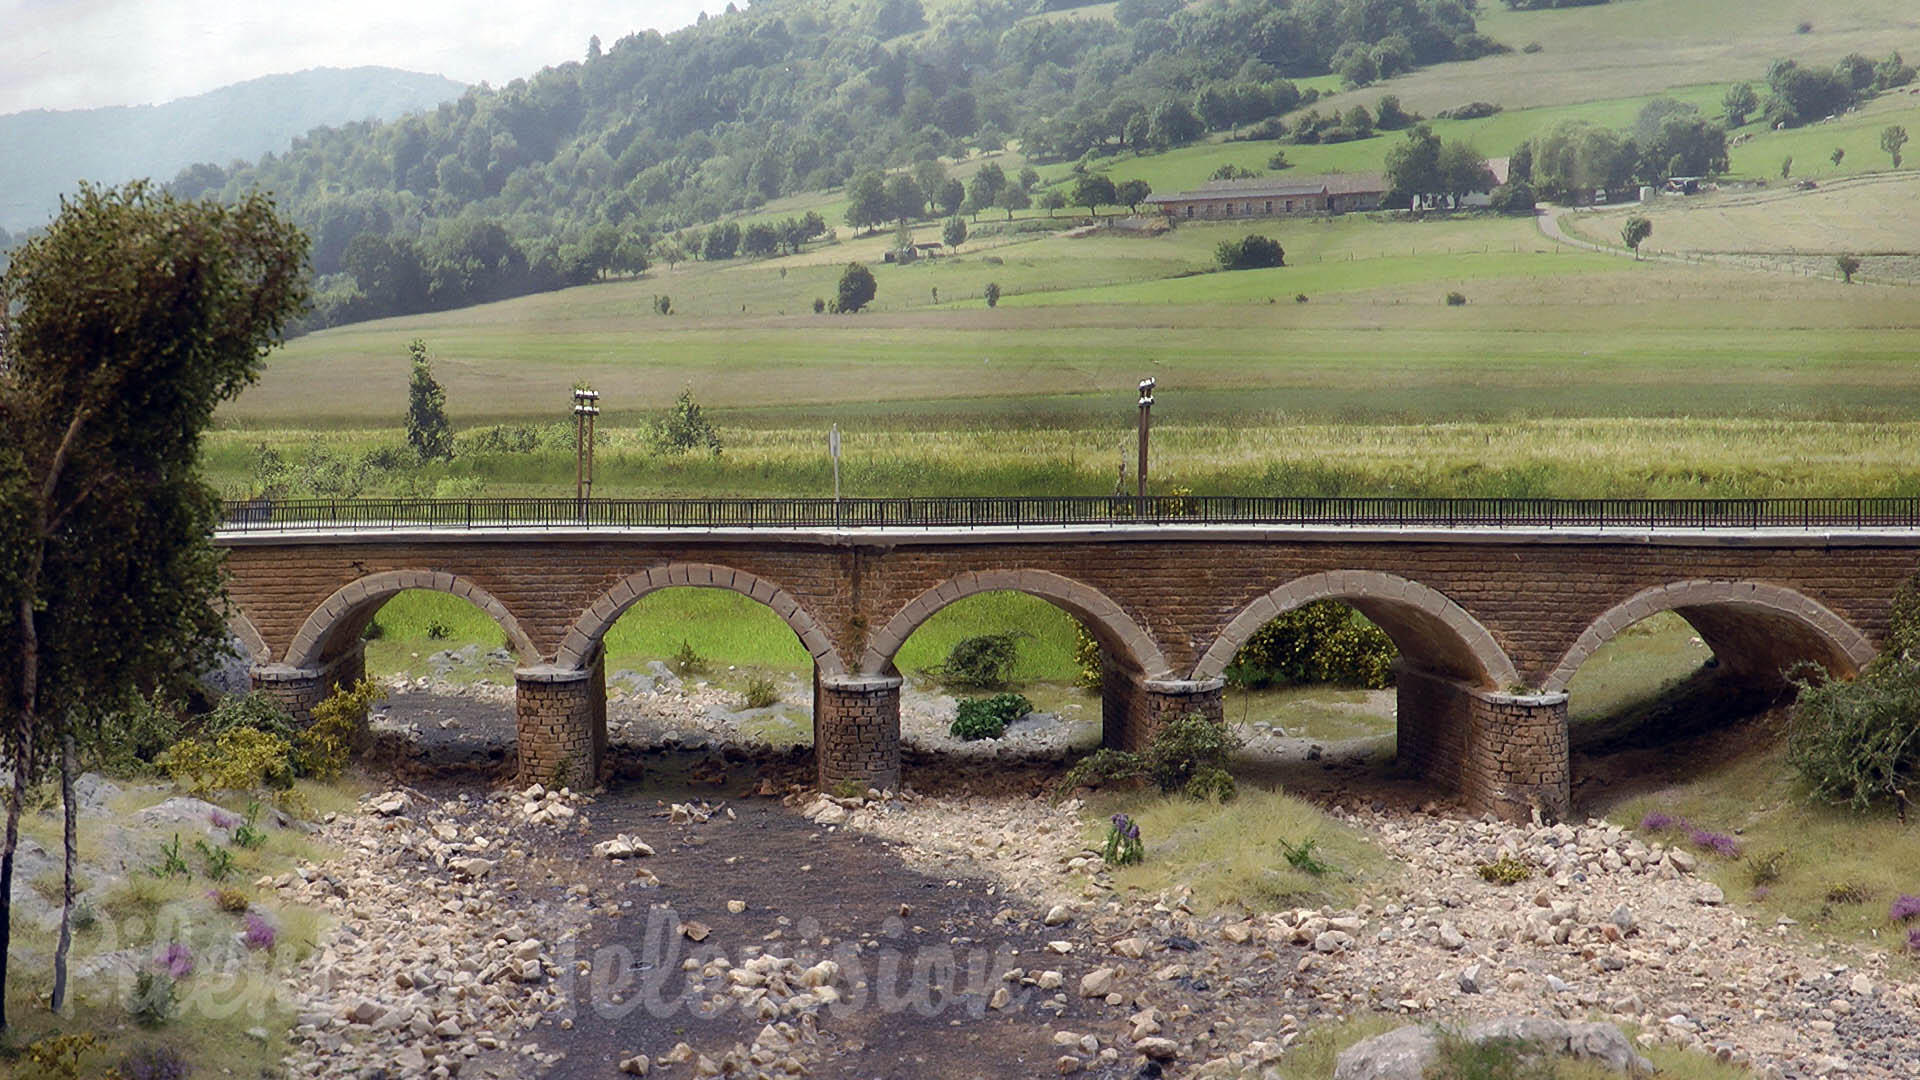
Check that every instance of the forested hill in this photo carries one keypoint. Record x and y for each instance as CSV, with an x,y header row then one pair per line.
x,y
550,179
46,152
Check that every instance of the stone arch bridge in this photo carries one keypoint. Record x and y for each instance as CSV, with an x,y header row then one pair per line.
x,y
1491,620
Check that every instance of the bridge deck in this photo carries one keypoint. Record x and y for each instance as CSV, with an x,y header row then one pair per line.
x,y
894,536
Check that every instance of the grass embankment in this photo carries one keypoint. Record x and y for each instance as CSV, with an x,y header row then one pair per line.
x,y
1230,855
1314,1057
1837,872
122,924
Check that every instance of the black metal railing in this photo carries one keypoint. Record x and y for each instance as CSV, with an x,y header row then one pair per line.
x,y
1038,510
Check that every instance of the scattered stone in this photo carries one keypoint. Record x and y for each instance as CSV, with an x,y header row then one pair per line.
x,y
622,846
1097,983
637,1065
1158,1048
695,931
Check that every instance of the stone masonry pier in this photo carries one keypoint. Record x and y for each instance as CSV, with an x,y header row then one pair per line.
x,y
1491,624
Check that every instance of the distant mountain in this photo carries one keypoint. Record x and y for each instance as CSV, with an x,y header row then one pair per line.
x,y
45,153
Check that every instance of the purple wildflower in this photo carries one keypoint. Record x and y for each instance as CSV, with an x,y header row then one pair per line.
x,y
1655,821
259,933
1904,908
222,820
176,959
1913,940
1717,842
1125,826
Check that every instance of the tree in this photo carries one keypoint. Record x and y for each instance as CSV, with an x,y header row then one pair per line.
x,y
1635,232
1051,200
1132,193
1893,140
1253,253
683,428
1013,197
993,294
867,204
904,200
857,288
722,242
984,189
1413,166
952,195
1093,189
929,176
1786,167
954,232
1172,124
670,252
631,256
1839,155
124,324
1848,265
1463,169
1028,176
760,240
427,429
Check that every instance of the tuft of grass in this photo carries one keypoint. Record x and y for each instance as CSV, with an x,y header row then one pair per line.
x,y
1231,853
1506,870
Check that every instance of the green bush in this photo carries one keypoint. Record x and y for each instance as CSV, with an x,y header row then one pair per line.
x,y
126,742
337,732
152,1003
984,662
987,718
1857,744
1192,748
1256,252
238,759
259,711
761,692
1086,658
1322,642
1104,766
1506,870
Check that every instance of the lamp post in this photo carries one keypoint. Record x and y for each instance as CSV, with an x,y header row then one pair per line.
x,y
585,407
1146,413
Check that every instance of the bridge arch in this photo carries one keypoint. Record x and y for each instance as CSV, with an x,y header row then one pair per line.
x,y
1110,625
1752,627
576,649
1427,627
346,613
248,635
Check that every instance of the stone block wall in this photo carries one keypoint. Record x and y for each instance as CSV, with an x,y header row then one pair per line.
x,y
298,690
1504,753
562,727
856,731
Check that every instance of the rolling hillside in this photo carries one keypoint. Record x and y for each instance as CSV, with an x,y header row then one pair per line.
x,y
48,152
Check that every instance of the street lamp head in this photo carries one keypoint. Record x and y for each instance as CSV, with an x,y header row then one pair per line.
x,y
1146,392
582,394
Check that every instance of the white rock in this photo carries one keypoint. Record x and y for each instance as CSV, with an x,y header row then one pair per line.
x,y
1058,915
1097,983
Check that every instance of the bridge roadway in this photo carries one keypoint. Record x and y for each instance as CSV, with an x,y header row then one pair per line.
x,y
1491,622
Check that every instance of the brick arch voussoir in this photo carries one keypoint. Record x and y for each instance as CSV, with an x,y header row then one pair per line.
x,y
374,589
1837,632
576,648
1106,618
248,635
1496,667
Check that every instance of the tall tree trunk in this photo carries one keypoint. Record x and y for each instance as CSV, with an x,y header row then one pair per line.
x,y
16,798
71,841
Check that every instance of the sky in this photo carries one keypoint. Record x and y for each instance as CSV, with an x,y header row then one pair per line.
x,y
78,54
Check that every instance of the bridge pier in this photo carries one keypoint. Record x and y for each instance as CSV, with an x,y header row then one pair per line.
x,y
1134,708
298,689
1505,753
561,716
856,731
